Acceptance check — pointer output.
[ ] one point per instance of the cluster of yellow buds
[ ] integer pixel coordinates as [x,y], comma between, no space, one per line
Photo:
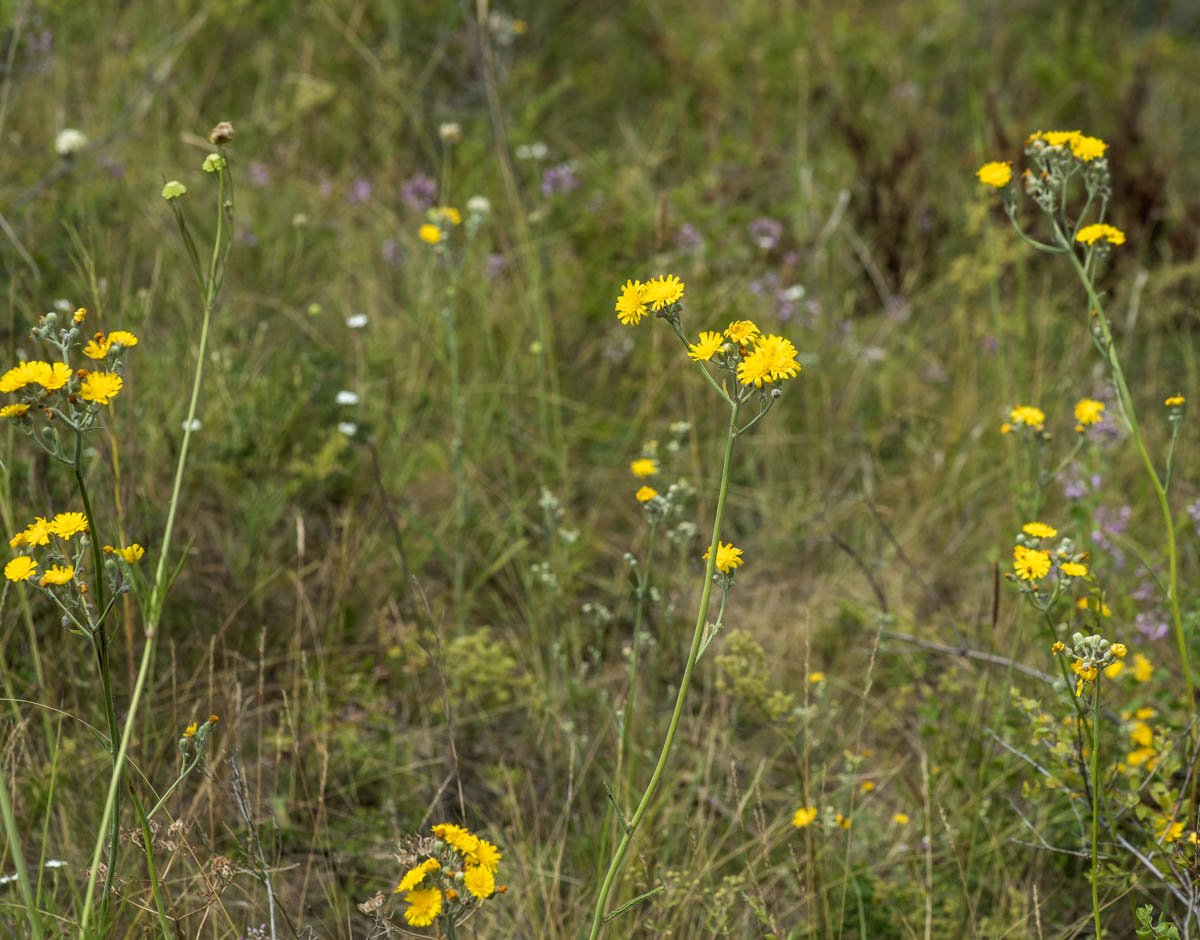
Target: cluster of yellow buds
[1091,654]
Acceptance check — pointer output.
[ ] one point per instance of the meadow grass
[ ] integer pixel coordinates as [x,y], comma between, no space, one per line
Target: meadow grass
[429,617]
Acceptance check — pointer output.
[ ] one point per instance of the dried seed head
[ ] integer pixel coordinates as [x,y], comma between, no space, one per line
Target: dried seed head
[221,134]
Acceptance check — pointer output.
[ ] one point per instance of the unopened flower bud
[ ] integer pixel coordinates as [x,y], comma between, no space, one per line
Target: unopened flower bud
[450,133]
[221,134]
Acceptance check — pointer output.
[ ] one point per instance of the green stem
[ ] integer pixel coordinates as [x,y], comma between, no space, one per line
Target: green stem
[147,841]
[1095,806]
[18,857]
[627,721]
[619,857]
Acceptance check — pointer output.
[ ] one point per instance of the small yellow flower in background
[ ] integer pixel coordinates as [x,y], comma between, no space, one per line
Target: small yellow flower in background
[1005,428]
[645,494]
[190,729]
[414,876]
[122,338]
[1088,410]
[21,568]
[1090,603]
[101,387]
[1142,734]
[1142,668]
[815,677]
[1174,401]
[424,905]
[37,532]
[631,305]
[1087,148]
[900,818]
[741,331]
[66,524]
[1090,234]
[1144,755]
[1029,563]
[842,821]
[644,467]
[1073,569]
[1039,530]
[867,786]
[804,816]
[1058,648]
[728,557]
[996,174]
[1028,415]
[707,347]
[1119,650]
[59,574]
[480,881]
[1167,831]
[1058,138]
[452,215]
[1112,670]
[430,233]
[13,411]
[80,314]
[662,291]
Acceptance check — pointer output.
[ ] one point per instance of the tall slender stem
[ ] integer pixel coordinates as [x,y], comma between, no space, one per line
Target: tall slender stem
[643,590]
[1095,806]
[701,618]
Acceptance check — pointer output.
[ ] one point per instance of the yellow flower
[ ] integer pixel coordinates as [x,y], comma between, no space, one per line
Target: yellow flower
[1173,402]
[53,376]
[21,568]
[97,347]
[728,557]
[190,729]
[13,411]
[452,215]
[1119,650]
[131,553]
[424,905]
[842,821]
[754,370]
[1059,138]
[1087,148]
[804,816]
[631,305]
[456,837]
[1085,672]
[1142,668]
[1058,648]
[59,574]
[867,786]
[900,818]
[1112,670]
[1090,234]
[480,881]
[741,331]
[645,494]
[1029,563]
[100,387]
[1073,569]
[66,524]
[20,375]
[1142,734]
[122,338]
[644,467]
[1088,410]
[1090,603]
[707,347]
[662,291]
[815,677]
[414,876]
[1167,831]
[486,855]
[80,314]
[1028,415]
[1039,530]
[1143,713]
[780,356]
[37,532]
[430,233]
[1144,755]
[996,174]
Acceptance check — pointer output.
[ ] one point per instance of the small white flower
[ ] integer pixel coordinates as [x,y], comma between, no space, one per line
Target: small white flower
[56,863]
[356,321]
[69,141]
[349,428]
[523,152]
[539,151]
[62,305]
[347,398]
[479,205]
[7,879]
[450,132]
[193,426]
[795,292]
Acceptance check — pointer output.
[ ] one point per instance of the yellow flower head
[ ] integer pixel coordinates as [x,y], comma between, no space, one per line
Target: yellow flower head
[1039,530]
[1029,563]
[25,373]
[80,314]
[97,347]
[14,411]
[662,291]
[486,855]
[414,876]
[190,730]
[430,233]
[66,524]
[704,350]
[815,677]
[1112,670]
[1090,603]
[1086,672]
[122,338]
[1142,668]
[645,494]
[804,816]
[1088,411]
[1090,234]
[1058,647]
[1059,138]
[131,553]
[867,786]
[449,213]
[842,821]
[773,359]
[100,387]
[59,574]
[728,557]
[37,532]
[742,332]
[21,568]
[995,174]
[1174,401]
[1141,734]
[900,818]
[644,467]
[1087,148]
[631,305]
[456,837]
[480,881]
[52,376]
[424,905]
[1167,831]
[1028,416]
[1073,569]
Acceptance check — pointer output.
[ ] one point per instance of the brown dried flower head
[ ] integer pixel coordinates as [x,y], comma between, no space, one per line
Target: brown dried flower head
[221,134]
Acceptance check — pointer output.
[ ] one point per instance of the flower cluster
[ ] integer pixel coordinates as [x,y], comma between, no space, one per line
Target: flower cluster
[458,873]
[440,221]
[638,299]
[1034,559]
[1091,654]
[742,350]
